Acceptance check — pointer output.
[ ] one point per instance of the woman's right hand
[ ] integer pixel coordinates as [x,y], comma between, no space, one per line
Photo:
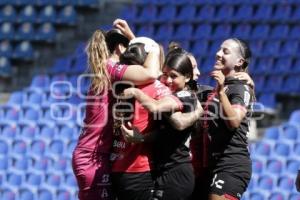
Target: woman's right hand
[129,93]
[124,28]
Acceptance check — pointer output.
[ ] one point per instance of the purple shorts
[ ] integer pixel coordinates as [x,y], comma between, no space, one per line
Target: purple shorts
[92,174]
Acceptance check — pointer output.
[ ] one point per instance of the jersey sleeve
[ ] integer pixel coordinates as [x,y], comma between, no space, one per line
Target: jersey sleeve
[163,91]
[116,70]
[188,100]
[239,96]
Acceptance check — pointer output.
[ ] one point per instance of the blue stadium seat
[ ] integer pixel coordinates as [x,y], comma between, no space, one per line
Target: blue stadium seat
[294,196]
[164,32]
[279,31]
[41,81]
[12,113]
[47,14]
[258,166]
[167,13]
[282,149]
[67,15]
[46,32]
[27,14]
[214,47]
[263,148]
[289,48]
[296,65]
[296,149]
[263,65]
[37,148]
[70,147]
[295,117]
[87,3]
[277,195]
[271,48]
[265,182]
[296,14]
[9,194]
[256,196]
[5,163]
[282,12]
[54,179]
[67,132]
[15,178]
[222,31]
[263,12]
[291,84]
[242,31]
[199,48]
[34,179]
[8,14]
[285,183]
[9,130]
[16,98]
[55,149]
[63,164]
[203,31]
[5,67]
[64,195]
[23,51]
[145,30]
[275,166]
[224,13]
[22,164]
[207,66]
[272,133]
[19,148]
[244,12]
[256,47]
[34,98]
[206,13]
[282,66]
[7,31]
[292,166]
[70,180]
[274,84]
[183,32]
[186,13]
[268,100]
[294,30]
[25,32]
[260,31]
[80,64]
[130,12]
[259,81]
[27,194]
[61,65]
[6,49]
[148,14]
[46,194]
[48,131]
[42,164]
[4,147]
[290,132]
[31,113]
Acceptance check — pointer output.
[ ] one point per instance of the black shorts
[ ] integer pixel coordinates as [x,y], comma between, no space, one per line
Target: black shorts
[176,183]
[225,183]
[132,186]
[202,182]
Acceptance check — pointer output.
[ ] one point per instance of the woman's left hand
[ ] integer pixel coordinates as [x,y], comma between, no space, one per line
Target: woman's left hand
[131,133]
[244,77]
[220,78]
[129,93]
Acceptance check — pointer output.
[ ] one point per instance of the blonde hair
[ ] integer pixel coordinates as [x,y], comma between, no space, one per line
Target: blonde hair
[97,53]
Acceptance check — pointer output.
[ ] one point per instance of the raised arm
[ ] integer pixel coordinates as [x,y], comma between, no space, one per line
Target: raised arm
[148,73]
[233,115]
[166,104]
[123,26]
